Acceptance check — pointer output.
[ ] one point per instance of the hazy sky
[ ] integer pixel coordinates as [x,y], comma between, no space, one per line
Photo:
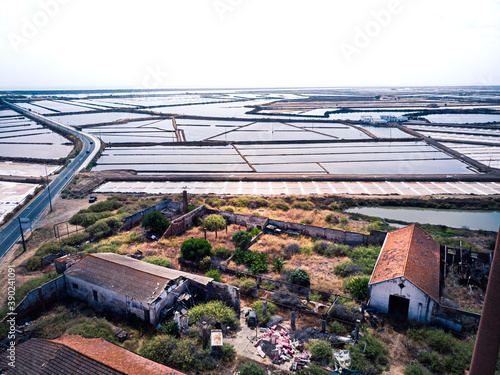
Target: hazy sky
[58,44]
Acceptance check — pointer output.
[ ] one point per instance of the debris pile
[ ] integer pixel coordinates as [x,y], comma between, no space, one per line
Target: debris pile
[276,343]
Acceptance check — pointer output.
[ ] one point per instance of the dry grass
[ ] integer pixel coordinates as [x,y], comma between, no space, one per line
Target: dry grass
[463,296]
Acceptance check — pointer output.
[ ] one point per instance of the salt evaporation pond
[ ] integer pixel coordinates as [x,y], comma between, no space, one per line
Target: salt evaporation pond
[462,118]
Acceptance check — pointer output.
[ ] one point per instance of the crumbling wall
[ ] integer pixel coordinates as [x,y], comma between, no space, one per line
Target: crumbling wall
[184,222]
[132,220]
[231,218]
[337,235]
[37,299]
[226,293]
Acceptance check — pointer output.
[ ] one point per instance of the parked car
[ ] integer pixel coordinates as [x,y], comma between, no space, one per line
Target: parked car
[92,199]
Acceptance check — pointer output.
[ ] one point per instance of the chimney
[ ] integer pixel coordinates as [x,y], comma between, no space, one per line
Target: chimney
[485,357]
[184,202]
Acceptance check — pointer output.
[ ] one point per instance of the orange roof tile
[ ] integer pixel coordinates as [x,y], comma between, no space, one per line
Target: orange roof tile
[114,356]
[413,254]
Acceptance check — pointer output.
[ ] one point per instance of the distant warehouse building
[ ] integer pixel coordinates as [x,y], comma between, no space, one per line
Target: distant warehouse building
[129,286]
[405,281]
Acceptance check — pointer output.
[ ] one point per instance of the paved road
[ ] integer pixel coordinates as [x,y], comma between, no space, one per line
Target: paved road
[11,233]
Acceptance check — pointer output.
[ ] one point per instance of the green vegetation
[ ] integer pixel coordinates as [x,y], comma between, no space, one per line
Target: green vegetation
[278,264]
[214,274]
[258,262]
[345,269]
[34,263]
[416,370]
[441,352]
[228,353]
[255,232]
[320,351]
[365,257]
[213,311]
[300,277]
[375,355]
[250,368]
[302,205]
[221,252]
[261,318]
[183,354]
[214,223]
[246,285]
[241,239]
[357,286]
[159,261]
[155,223]
[90,329]
[195,249]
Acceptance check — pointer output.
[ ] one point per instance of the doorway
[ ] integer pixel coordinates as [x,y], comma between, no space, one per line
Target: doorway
[398,307]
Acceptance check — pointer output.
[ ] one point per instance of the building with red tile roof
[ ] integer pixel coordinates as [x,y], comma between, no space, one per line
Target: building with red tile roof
[405,280]
[73,355]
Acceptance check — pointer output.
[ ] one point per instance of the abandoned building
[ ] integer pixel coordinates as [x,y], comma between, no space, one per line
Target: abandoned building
[73,354]
[130,286]
[405,280]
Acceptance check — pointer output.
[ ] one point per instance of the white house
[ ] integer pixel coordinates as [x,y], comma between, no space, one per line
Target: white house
[125,285]
[405,281]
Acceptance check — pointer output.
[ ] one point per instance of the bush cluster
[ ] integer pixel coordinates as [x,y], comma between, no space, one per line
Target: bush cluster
[213,311]
[159,261]
[247,285]
[300,277]
[195,249]
[258,307]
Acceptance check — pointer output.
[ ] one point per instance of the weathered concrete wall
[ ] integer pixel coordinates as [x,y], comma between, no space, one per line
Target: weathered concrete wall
[350,238]
[420,307]
[226,293]
[184,222]
[231,218]
[136,218]
[37,299]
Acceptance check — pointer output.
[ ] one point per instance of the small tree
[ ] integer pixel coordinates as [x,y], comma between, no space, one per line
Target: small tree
[300,277]
[214,223]
[195,249]
[358,287]
[250,368]
[278,264]
[241,239]
[155,223]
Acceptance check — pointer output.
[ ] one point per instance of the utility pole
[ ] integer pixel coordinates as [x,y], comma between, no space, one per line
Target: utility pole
[22,233]
[48,188]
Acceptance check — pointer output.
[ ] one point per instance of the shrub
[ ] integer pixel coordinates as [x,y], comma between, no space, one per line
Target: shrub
[214,223]
[259,263]
[241,239]
[357,286]
[48,248]
[172,329]
[179,354]
[344,221]
[34,263]
[281,205]
[306,221]
[255,231]
[114,223]
[221,252]
[75,239]
[228,353]
[159,261]
[90,330]
[312,370]
[300,277]
[261,318]
[432,361]
[247,285]
[293,248]
[241,201]
[214,201]
[416,370]
[320,351]
[98,228]
[155,223]
[376,352]
[278,264]
[195,249]
[345,269]
[331,218]
[214,274]
[134,237]
[213,311]
[251,368]
[302,205]
[228,209]
[107,205]
[337,328]
[365,257]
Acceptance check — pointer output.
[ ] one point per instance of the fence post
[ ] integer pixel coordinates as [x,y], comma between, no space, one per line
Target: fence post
[292,323]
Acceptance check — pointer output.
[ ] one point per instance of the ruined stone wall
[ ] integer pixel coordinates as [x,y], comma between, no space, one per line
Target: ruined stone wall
[226,293]
[184,222]
[132,220]
[37,299]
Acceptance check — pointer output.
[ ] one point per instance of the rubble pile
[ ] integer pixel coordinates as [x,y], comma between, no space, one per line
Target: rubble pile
[277,344]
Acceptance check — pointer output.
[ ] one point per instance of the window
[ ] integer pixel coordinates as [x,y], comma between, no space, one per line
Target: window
[75,285]
[95,296]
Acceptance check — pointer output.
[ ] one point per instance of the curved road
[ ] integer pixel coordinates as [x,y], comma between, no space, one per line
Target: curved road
[10,233]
